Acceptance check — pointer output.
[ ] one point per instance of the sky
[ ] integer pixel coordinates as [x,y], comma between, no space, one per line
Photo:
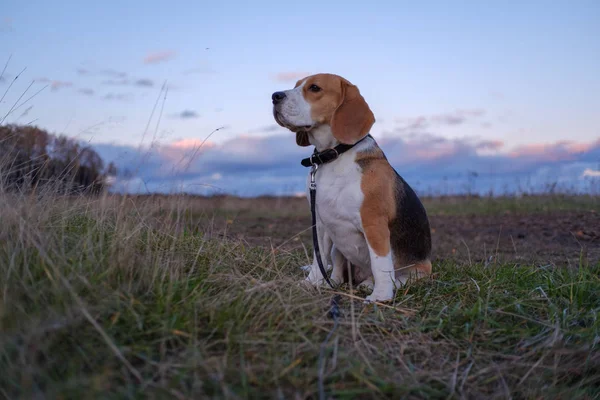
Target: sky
[467,95]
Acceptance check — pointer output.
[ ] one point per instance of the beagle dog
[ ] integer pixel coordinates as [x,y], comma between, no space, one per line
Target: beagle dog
[371,226]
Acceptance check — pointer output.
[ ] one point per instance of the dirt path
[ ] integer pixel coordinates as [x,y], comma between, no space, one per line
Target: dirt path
[547,238]
[557,237]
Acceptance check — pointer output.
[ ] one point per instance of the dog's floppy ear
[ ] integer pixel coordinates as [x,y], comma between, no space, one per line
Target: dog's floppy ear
[353,118]
[302,139]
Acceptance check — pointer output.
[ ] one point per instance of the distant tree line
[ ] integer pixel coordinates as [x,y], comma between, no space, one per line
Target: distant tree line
[31,158]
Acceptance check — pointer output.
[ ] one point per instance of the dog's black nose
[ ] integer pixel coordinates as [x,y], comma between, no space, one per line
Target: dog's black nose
[277,97]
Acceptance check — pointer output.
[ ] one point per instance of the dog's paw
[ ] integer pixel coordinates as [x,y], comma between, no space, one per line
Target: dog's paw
[380,297]
[314,281]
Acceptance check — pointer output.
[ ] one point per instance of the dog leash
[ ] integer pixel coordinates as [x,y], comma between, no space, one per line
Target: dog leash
[334,309]
[316,159]
[313,195]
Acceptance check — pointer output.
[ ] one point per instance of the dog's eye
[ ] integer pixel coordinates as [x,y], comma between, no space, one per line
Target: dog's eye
[314,88]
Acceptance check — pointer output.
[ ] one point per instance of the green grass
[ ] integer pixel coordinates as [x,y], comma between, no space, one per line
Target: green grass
[110,299]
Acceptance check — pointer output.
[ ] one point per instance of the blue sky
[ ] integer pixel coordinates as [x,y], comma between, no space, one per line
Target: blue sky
[510,90]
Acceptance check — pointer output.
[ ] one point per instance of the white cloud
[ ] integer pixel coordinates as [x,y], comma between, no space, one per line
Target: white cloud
[591,172]
[426,162]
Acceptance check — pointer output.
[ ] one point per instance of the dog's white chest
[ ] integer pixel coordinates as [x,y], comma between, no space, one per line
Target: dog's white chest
[338,202]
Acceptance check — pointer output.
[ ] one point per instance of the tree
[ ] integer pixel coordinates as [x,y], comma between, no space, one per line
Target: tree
[31,157]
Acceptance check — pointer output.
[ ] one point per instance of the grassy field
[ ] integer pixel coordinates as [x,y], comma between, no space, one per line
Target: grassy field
[182,297]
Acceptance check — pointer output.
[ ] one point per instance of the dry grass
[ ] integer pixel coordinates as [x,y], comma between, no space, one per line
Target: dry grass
[128,298]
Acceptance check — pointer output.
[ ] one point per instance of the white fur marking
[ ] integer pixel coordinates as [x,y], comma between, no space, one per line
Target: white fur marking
[338,261]
[383,274]
[294,109]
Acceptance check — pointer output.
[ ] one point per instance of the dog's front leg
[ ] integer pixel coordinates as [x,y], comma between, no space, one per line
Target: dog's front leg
[339,262]
[383,275]
[315,276]
[382,265]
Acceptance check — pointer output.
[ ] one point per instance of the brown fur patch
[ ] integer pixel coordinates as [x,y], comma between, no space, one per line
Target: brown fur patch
[392,215]
[353,119]
[379,206]
[324,102]
[338,104]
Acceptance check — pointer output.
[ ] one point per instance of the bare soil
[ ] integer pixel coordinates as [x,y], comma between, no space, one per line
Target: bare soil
[554,237]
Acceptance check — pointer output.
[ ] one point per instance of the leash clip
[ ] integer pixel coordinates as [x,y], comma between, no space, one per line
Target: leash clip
[313,172]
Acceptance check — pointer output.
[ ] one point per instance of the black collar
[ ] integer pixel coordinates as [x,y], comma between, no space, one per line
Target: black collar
[323,157]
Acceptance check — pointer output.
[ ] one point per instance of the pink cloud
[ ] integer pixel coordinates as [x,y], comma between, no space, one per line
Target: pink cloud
[559,151]
[191,143]
[433,153]
[159,56]
[55,84]
[181,153]
[426,160]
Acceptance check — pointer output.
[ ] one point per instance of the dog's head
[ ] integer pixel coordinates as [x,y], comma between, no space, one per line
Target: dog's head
[323,99]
